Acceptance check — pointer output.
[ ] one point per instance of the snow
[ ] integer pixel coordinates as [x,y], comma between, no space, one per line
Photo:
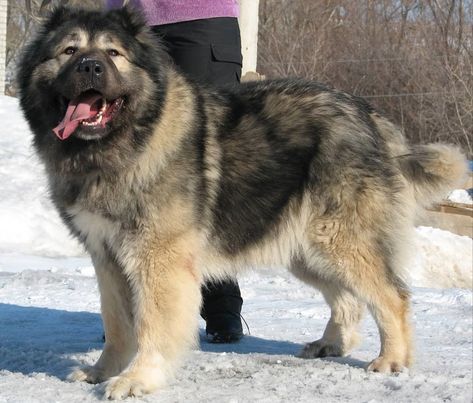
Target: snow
[441,260]
[33,225]
[50,322]
[460,196]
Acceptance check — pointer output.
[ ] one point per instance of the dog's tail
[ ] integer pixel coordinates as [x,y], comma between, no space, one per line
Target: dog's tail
[433,170]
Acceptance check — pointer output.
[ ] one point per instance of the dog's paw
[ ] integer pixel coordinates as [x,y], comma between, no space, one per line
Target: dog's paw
[88,374]
[127,384]
[120,387]
[320,349]
[385,365]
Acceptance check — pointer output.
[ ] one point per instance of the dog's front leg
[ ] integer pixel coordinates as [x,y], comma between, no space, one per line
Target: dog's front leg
[166,298]
[115,296]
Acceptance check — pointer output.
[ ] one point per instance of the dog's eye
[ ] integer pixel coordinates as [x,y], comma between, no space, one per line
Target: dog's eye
[112,52]
[70,50]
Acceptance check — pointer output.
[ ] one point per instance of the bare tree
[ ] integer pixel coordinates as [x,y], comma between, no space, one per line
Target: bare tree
[412,59]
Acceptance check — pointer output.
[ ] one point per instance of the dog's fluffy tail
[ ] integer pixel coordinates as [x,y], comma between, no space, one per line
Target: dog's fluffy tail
[433,170]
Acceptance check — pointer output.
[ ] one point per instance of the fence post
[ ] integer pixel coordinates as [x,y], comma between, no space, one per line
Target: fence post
[3,43]
[249,33]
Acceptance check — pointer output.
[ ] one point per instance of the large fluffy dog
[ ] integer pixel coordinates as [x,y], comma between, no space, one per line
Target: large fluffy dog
[166,183]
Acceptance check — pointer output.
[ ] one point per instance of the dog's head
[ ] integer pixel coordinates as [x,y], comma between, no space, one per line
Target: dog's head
[91,75]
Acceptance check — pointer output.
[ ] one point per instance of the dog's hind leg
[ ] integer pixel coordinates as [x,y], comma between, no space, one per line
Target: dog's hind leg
[390,309]
[115,299]
[363,269]
[340,334]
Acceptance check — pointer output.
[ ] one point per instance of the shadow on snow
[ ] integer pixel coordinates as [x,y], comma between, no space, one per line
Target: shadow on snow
[36,339]
[44,340]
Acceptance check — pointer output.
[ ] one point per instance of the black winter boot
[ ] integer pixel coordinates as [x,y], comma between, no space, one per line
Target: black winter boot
[221,311]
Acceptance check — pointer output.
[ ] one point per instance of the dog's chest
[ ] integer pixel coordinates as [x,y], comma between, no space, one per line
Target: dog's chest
[96,231]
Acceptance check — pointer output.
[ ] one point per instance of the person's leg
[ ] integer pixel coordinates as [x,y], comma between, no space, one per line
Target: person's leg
[209,51]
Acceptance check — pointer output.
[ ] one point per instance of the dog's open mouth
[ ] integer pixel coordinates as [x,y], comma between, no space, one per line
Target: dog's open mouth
[89,110]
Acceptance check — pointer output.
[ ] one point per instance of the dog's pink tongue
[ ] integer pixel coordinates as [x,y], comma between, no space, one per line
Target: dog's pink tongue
[77,110]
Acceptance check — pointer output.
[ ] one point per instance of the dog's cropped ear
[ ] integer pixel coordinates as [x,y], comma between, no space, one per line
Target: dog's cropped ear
[54,18]
[131,19]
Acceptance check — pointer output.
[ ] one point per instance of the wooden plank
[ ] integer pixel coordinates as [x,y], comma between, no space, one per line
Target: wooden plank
[456,223]
[454,208]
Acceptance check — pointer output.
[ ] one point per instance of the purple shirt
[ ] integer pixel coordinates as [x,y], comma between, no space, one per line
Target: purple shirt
[159,12]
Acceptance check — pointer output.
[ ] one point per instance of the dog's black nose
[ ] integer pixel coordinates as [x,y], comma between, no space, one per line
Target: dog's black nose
[91,67]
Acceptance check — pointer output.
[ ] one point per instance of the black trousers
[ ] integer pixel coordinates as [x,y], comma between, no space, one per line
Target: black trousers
[208,51]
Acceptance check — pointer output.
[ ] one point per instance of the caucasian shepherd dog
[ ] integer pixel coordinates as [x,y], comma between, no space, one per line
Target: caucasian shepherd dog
[167,183]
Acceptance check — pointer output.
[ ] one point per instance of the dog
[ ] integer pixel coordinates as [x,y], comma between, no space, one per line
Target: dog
[167,183]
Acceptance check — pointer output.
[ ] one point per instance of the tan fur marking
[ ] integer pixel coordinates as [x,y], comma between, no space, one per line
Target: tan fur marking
[107,41]
[78,39]
[170,132]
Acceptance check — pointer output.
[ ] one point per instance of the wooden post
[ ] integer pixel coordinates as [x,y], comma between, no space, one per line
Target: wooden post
[3,43]
[249,34]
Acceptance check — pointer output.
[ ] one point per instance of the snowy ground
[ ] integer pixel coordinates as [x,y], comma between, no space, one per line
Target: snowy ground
[50,322]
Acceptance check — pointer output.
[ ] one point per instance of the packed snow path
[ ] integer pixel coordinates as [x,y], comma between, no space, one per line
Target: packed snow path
[50,322]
